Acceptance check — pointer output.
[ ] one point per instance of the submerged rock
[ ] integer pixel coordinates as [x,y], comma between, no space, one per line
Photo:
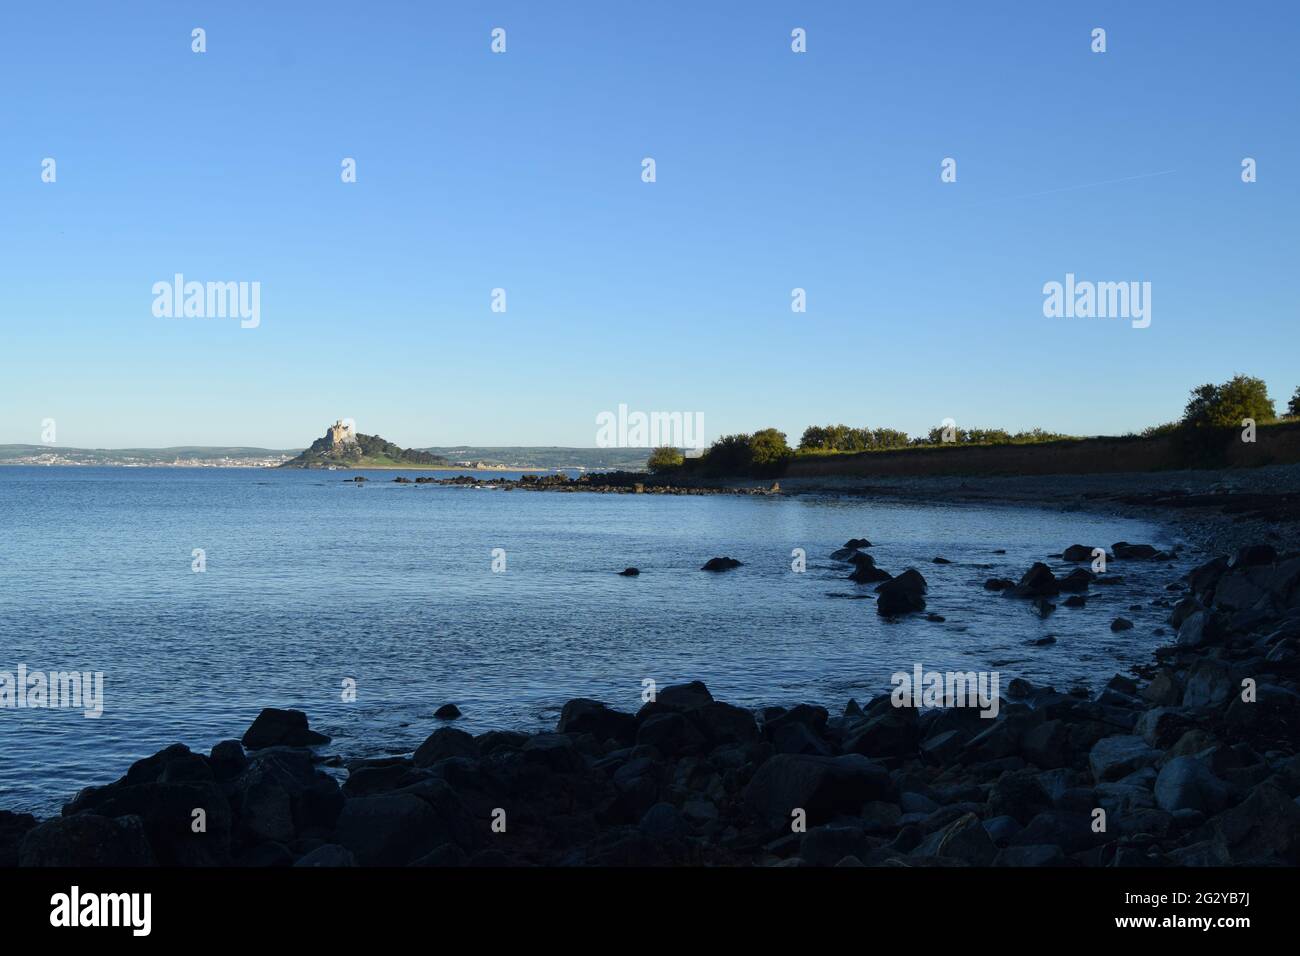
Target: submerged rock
[720,564]
[1133,552]
[869,574]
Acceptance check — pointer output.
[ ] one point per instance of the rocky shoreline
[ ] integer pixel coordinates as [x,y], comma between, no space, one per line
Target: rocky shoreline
[600,483]
[1219,509]
[1189,762]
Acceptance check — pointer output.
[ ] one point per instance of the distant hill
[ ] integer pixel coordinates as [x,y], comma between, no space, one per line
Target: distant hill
[343,447]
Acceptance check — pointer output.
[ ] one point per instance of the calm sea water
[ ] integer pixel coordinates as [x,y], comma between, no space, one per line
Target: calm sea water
[311,581]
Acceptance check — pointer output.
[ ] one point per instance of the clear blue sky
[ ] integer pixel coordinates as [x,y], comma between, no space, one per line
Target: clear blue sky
[523,171]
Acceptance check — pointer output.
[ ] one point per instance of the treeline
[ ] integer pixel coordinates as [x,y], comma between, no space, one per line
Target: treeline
[844,439]
[1211,408]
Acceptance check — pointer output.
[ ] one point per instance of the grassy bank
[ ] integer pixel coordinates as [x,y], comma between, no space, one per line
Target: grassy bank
[1187,448]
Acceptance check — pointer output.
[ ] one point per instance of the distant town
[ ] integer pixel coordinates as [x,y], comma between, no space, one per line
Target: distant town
[476,458]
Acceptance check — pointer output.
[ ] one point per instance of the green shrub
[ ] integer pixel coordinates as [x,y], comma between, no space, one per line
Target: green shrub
[664,459]
[1224,406]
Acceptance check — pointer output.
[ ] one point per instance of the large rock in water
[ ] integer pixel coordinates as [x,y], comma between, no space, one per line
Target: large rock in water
[288,728]
[720,564]
[1078,552]
[1038,581]
[869,574]
[684,696]
[903,594]
[823,787]
[1076,582]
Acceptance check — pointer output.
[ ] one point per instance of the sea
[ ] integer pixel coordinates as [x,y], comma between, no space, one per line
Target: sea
[203,595]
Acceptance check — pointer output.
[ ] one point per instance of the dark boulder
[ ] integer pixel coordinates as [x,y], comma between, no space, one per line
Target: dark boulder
[869,574]
[227,759]
[443,743]
[1252,556]
[629,572]
[1199,629]
[1133,552]
[827,845]
[86,839]
[720,564]
[670,733]
[13,827]
[1076,582]
[965,840]
[684,696]
[823,787]
[555,752]
[1187,783]
[447,712]
[168,812]
[389,829]
[274,727]
[1018,794]
[1038,581]
[585,716]
[1265,827]
[1077,553]
[903,594]
[722,723]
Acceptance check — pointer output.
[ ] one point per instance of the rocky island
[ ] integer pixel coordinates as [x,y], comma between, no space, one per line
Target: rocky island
[343,447]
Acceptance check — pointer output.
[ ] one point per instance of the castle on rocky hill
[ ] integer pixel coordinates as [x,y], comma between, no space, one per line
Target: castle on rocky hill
[341,433]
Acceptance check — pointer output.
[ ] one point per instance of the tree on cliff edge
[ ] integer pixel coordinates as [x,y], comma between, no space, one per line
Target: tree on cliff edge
[1224,406]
